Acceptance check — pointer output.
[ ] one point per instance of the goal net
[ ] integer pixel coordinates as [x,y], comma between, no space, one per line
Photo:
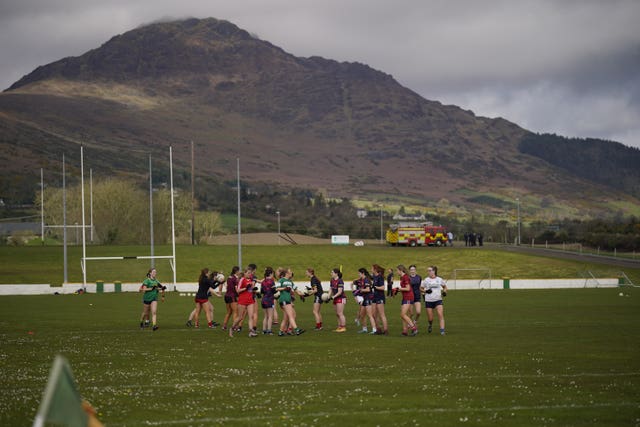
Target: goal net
[470,278]
[111,268]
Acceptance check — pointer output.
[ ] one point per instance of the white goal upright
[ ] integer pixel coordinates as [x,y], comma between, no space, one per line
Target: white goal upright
[171,258]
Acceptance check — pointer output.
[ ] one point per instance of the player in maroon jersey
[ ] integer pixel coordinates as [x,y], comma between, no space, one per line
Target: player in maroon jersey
[407,301]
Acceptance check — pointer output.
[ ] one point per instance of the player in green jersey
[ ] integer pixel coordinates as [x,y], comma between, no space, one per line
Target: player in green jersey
[151,288]
[286,286]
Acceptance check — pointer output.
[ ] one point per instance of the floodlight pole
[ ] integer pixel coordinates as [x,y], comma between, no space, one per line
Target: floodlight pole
[239,224]
[381,241]
[91,201]
[64,221]
[42,204]
[153,262]
[173,221]
[193,197]
[278,213]
[84,243]
[518,205]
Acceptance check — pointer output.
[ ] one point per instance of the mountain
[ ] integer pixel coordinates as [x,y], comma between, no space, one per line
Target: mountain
[343,128]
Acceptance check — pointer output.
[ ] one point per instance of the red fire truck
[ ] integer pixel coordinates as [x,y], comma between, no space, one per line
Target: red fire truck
[416,234]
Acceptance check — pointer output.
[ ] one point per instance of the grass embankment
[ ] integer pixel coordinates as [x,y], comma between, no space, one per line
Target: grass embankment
[45,265]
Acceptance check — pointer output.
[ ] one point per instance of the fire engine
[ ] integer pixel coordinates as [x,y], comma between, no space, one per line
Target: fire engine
[416,234]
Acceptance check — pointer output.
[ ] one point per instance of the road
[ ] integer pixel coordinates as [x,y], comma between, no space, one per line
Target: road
[555,253]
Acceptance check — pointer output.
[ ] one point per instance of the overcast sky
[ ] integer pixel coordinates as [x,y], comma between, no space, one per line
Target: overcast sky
[566,66]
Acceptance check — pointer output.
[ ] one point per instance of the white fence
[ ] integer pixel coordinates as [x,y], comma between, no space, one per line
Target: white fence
[70,288]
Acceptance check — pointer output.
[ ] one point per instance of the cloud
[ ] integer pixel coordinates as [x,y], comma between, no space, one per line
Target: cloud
[568,67]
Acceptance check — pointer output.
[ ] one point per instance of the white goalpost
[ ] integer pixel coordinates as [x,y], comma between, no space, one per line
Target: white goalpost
[479,281]
[171,258]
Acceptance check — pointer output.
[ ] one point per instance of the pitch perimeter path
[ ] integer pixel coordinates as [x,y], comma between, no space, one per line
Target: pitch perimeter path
[555,253]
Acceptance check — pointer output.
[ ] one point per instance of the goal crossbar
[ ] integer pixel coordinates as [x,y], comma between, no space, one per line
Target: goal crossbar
[102,258]
[487,275]
[85,258]
[83,261]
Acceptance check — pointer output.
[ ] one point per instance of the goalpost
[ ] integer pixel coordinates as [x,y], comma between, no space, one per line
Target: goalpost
[171,258]
[481,283]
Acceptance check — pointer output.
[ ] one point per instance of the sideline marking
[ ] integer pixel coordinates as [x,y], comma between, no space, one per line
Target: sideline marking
[290,417]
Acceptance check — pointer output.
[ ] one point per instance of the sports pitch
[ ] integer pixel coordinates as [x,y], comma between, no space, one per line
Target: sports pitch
[510,357]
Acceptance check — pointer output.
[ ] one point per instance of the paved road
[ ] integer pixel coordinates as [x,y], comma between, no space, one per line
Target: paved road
[555,253]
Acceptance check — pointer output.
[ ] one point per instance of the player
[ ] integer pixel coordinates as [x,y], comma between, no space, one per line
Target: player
[316,291]
[208,307]
[151,288]
[286,287]
[268,290]
[231,298]
[206,286]
[434,289]
[338,296]
[246,303]
[256,289]
[407,301]
[379,299]
[366,292]
[390,282]
[416,281]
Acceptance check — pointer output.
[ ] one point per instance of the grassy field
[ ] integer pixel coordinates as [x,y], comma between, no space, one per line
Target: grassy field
[44,264]
[517,358]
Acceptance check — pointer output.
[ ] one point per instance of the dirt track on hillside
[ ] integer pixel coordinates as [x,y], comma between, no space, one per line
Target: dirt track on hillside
[272,239]
[267,239]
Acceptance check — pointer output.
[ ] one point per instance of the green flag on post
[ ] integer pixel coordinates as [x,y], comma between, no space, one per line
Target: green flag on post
[61,404]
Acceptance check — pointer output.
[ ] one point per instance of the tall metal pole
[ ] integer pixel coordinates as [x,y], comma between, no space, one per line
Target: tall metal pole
[173,221]
[381,241]
[193,198]
[518,203]
[153,262]
[64,221]
[278,213]
[42,204]
[84,237]
[239,225]
[91,201]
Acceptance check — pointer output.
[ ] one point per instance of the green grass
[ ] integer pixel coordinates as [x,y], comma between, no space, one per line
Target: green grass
[517,358]
[230,224]
[44,264]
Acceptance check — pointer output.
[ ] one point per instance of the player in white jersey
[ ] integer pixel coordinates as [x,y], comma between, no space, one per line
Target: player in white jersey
[434,289]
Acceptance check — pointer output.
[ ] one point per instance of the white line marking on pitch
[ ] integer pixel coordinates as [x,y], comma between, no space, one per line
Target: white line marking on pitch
[256,417]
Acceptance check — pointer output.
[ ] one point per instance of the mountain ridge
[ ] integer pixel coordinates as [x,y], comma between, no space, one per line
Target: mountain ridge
[338,126]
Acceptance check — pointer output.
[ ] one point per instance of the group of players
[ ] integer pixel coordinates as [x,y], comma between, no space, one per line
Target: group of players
[242,290]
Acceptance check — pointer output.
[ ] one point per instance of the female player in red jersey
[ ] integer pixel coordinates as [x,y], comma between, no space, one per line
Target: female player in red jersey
[231,298]
[246,303]
[407,301]
[336,293]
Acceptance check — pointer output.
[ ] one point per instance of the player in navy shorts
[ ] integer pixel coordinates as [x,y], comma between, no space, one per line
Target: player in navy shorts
[379,298]
[231,297]
[316,291]
[339,298]
[407,301]
[366,291]
[268,290]
[416,281]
